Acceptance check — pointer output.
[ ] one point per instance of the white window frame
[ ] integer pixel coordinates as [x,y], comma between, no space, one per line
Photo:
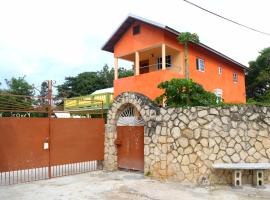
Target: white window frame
[201,64]
[219,93]
[168,64]
[219,70]
[235,77]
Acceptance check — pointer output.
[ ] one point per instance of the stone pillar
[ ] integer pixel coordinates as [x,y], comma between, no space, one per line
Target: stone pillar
[115,68]
[163,57]
[137,63]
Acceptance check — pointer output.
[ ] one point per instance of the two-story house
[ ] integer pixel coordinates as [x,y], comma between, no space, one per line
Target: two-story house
[158,56]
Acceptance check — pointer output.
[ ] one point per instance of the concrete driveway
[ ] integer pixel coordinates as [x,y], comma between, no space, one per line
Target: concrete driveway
[122,185]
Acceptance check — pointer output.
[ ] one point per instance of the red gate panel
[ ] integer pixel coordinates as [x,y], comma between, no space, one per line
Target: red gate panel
[130,149]
[76,146]
[76,140]
[21,143]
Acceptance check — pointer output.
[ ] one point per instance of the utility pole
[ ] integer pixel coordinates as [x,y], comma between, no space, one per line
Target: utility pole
[49,98]
[49,117]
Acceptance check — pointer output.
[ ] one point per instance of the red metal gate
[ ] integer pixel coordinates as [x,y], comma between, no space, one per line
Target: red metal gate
[40,148]
[130,147]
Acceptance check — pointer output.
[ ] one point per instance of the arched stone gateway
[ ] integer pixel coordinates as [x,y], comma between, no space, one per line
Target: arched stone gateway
[128,109]
[184,144]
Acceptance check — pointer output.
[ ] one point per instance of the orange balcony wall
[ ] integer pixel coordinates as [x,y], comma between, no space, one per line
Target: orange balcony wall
[145,83]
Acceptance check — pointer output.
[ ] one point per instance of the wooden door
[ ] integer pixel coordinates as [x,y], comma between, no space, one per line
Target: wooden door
[130,147]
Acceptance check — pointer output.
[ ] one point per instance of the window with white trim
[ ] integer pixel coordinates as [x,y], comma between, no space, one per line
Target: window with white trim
[200,64]
[167,59]
[219,93]
[235,77]
[219,70]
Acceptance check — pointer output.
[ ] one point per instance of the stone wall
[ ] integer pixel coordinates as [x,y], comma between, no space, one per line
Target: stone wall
[187,142]
[183,143]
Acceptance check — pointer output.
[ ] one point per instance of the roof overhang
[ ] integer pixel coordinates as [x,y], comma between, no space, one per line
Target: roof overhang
[116,36]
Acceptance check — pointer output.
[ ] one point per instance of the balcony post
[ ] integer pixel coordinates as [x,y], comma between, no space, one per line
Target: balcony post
[163,47]
[137,63]
[115,68]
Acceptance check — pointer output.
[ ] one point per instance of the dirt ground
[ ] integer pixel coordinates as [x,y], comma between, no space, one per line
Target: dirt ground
[122,185]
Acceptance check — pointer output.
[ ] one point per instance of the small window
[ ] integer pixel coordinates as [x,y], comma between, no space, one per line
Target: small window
[235,77]
[159,63]
[219,70]
[136,30]
[200,64]
[168,62]
[219,93]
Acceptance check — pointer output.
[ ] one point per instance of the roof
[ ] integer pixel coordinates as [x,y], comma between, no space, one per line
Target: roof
[109,45]
[102,91]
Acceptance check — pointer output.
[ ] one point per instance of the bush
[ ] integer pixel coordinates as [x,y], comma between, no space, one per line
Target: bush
[185,92]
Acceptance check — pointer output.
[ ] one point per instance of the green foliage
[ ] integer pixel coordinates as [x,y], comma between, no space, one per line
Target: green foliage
[185,92]
[44,89]
[258,78]
[148,173]
[87,82]
[19,86]
[184,38]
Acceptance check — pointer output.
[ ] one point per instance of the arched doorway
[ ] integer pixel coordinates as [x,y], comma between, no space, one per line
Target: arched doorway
[146,112]
[130,139]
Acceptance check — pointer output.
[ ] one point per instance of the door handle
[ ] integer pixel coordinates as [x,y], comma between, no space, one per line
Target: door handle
[118,142]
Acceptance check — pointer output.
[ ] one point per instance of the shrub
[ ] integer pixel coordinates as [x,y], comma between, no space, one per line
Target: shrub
[185,92]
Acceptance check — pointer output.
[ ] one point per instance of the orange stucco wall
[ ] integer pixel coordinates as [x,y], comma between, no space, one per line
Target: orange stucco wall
[129,43]
[210,79]
[144,83]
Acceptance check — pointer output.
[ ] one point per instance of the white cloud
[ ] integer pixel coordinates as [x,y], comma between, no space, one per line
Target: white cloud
[57,38]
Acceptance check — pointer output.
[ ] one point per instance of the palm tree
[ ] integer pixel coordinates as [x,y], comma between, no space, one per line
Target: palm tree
[184,38]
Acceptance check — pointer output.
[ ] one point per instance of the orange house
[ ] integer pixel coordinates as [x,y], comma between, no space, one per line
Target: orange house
[158,56]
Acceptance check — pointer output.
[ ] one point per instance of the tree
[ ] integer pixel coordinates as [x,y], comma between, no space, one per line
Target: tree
[258,78]
[19,86]
[87,82]
[185,92]
[44,89]
[185,38]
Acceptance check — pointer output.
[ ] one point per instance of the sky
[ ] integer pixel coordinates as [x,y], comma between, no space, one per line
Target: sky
[53,39]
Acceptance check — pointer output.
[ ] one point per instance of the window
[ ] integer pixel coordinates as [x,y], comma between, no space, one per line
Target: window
[218,92]
[159,63]
[200,64]
[219,70]
[168,62]
[136,30]
[235,77]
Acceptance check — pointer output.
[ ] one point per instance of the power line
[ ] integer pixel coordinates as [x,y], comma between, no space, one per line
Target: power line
[225,18]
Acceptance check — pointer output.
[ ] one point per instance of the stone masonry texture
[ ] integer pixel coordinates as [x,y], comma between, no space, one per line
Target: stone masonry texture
[182,144]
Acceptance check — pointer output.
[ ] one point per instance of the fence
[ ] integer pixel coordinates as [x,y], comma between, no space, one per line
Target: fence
[35,144]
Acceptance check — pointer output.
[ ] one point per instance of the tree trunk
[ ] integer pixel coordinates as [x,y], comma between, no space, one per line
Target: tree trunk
[186,61]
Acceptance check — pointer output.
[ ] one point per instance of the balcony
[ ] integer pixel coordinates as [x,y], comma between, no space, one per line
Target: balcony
[144,83]
[151,67]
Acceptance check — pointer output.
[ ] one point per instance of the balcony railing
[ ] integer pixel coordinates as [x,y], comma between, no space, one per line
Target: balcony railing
[158,66]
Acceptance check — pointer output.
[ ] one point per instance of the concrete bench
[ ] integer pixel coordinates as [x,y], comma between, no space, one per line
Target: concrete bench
[237,171]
